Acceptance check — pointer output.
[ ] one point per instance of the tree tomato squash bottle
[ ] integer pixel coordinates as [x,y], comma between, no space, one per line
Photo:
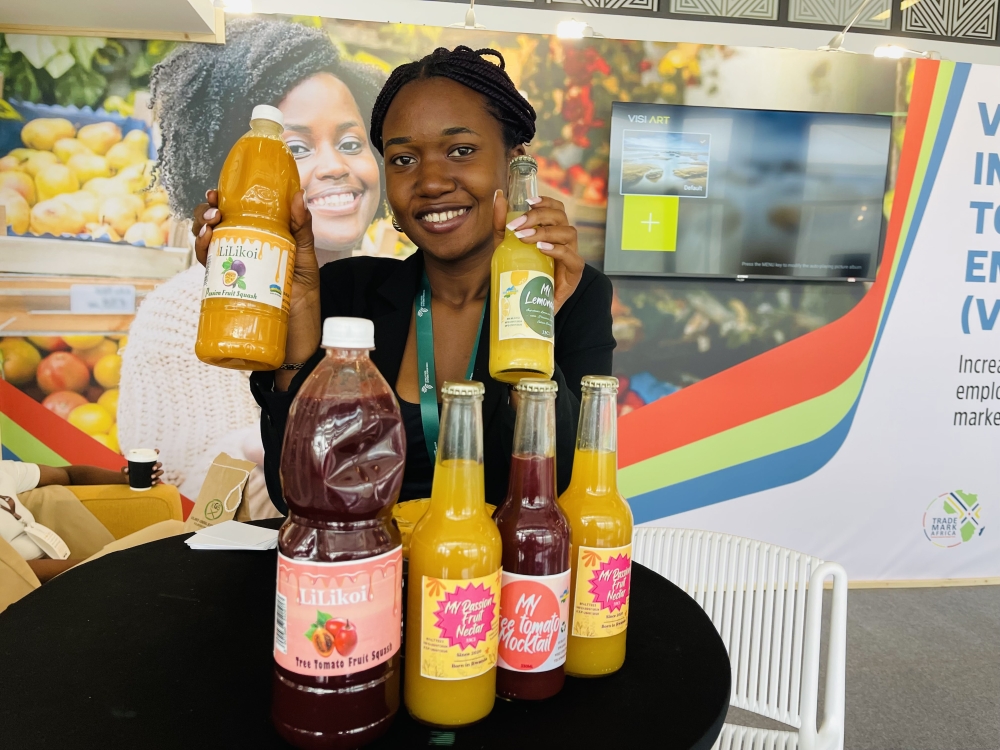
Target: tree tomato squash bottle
[522,317]
[600,524]
[453,584]
[534,598]
[248,271]
[338,608]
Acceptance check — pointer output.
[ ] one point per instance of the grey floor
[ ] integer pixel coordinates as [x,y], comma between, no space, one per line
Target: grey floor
[923,670]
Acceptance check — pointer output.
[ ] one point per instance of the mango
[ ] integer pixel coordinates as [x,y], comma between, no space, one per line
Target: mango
[20,182]
[119,212]
[56,217]
[54,180]
[88,166]
[38,161]
[64,148]
[18,210]
[150,234]
[100,136]
[43,132]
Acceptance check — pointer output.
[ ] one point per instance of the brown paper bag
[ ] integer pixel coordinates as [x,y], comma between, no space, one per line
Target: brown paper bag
[221,494]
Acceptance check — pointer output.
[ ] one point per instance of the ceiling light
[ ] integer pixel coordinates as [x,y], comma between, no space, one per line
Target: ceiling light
[573,29]
[470,19]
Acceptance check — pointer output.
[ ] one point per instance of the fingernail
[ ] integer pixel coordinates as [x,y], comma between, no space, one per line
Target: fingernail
[211,214]
[533,201]
[498,192]
[544,245]
[207,193]
[201,232]
[518,222]
[524,233]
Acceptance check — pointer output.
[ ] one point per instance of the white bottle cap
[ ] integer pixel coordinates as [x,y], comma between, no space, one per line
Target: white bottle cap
[267,112]
[348,333]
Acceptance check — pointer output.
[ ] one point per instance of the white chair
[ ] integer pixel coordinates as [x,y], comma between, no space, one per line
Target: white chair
[767,604]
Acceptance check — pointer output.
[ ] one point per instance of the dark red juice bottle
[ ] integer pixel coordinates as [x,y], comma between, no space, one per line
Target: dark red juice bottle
[534,598]
[338,606]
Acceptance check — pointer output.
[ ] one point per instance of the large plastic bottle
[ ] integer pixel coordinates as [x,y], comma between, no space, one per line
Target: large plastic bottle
[534,600]
[339,594]
[453,585]
[522,317]
[600,524]
[248,272]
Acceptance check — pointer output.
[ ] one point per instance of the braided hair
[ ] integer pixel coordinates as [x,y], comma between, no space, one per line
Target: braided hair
[467,67]
[204,95]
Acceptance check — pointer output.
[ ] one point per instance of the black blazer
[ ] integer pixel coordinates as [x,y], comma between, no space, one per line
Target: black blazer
[382,290]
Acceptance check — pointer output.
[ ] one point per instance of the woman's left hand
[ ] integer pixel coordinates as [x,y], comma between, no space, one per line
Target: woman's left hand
[546,226]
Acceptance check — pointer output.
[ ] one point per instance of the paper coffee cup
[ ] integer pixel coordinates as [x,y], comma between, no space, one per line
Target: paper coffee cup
[140,468]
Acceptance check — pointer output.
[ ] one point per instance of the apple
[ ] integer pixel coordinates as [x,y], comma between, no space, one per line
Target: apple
[346,639]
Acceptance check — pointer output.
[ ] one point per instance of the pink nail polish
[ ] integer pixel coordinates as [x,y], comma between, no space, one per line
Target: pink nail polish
[533,201]
[518,222]
[525,233]
[201,232]
[544,245]
[211,214]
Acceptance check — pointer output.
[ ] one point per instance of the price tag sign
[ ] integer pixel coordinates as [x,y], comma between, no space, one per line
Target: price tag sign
[102,299]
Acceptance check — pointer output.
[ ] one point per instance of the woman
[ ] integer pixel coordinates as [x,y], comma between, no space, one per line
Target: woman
[204,95]
[447,127]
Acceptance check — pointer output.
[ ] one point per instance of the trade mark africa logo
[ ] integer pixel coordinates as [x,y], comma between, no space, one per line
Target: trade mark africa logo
[953,518]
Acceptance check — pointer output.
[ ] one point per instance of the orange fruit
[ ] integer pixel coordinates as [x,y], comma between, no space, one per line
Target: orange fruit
[91,418]
[63,402]
[108,370]
[109,400]
[91,356]
[108,441]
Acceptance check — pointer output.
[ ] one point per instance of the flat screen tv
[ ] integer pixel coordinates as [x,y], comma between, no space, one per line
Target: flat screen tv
[742,193]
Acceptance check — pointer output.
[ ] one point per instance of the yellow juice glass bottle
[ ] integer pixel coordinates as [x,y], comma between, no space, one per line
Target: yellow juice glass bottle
[522,315]
[453,605]
[248,271]
[600,529]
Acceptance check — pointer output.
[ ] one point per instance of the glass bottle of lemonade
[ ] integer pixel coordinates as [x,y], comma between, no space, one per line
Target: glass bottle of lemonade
[522,318]
[453,601]
[248,272]
[338,608]
[600,523]
[534,598]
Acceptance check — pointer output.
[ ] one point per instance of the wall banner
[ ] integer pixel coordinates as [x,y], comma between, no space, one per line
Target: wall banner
[871,441]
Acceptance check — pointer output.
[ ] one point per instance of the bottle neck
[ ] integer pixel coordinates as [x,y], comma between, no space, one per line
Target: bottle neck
[595,464]
[532,472]
[458,474]
[266,127]
[522,184]
[333,352]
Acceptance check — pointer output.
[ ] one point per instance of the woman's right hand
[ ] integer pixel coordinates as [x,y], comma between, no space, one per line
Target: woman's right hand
[304,325]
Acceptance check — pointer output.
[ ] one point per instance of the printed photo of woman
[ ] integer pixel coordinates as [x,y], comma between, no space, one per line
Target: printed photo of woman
[202,97]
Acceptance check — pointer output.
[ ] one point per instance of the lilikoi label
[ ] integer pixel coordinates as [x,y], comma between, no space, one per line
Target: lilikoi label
[248,264]
[533,622]
[460,626]
[603,580]
[338,618]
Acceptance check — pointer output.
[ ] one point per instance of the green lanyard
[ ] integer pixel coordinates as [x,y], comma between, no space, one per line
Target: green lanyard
[425,361]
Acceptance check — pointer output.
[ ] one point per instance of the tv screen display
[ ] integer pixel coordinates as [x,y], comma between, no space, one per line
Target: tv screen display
[708,191]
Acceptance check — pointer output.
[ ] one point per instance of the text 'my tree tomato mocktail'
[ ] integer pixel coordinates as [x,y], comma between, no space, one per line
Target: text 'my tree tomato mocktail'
[534,599]
[600,524]
[453,583]
[338,608]
[248,270]
[522,317]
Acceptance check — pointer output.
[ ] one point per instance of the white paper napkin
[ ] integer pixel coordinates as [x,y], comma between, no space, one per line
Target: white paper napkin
[233,535]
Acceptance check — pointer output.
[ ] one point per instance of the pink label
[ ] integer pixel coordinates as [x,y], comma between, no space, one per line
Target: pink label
[338,618]
[610,583]
[534,611]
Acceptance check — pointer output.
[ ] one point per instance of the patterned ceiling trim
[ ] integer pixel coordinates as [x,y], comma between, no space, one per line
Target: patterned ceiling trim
[839,12]
[759,10]
[961,19]
[651,5]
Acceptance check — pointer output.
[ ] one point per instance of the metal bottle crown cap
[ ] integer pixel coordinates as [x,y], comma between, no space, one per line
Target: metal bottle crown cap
[599,383]
[534,385]
[466,388]
[524,160]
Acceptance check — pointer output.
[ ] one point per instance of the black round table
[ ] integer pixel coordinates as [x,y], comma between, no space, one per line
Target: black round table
[162,646]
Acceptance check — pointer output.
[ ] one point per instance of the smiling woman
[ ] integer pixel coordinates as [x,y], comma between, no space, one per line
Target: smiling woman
[448,126]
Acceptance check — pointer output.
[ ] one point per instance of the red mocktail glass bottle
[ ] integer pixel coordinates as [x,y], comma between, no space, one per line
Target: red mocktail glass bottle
[339,595]
[534,598]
